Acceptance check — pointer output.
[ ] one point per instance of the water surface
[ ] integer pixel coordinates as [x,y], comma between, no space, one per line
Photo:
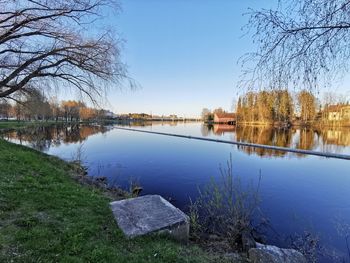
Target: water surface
[299,192]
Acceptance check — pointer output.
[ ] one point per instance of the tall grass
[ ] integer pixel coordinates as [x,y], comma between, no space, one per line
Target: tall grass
[228,209]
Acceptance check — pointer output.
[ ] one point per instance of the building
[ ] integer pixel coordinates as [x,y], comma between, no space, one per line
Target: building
[338,112]
[109,114]
[224,117]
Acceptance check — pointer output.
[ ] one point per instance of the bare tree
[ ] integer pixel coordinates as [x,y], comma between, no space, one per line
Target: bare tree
[205,114]
[307,106]
[302,43]
[46,42]
[5,108]
[36,106]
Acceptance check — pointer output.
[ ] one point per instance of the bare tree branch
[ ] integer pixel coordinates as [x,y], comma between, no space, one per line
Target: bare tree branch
[301,44]
[43,41]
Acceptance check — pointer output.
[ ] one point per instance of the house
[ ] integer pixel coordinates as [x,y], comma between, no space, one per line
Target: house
[338,112]
[224,117]
[109,114]
[346,112]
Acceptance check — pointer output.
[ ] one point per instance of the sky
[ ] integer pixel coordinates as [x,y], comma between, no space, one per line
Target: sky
[182,53]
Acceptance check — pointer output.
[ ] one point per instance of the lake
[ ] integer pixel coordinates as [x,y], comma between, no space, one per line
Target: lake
[300,194]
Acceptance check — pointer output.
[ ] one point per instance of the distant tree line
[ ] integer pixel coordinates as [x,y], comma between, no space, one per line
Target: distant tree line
[265,106]
[35,106]
[276,105]
[284,106]
[145,116]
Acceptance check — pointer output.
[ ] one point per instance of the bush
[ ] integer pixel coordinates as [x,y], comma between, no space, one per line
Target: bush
[227,209]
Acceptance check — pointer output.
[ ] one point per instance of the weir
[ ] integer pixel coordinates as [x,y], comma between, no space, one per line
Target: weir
[254,145]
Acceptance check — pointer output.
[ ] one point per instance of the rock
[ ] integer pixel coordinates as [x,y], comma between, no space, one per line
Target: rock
[150,214]
[273,254]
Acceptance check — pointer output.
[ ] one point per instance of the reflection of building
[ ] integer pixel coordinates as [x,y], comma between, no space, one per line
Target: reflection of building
[225,118]
[338,112]
[337,137]
[222,128]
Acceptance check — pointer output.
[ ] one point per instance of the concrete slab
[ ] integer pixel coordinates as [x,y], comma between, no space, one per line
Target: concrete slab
[150,214]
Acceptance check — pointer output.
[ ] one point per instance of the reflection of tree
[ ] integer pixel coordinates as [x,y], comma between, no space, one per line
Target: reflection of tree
[266,136]
[142,123]
[42,138]
[339,136]
[306,139]
[283,137]
[206,129]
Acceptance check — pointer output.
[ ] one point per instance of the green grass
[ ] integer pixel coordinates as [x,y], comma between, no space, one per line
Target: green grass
[46,216]
[15,125]
[12,124]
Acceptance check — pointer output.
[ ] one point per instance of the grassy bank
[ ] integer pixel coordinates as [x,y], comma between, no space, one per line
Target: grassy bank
[14,124]
[10,125]
[46,216]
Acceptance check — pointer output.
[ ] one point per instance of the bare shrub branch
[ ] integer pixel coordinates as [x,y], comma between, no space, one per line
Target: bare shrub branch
[45,43]
[301,44]
[227,208]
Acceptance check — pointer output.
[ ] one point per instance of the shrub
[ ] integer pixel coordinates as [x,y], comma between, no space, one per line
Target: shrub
[226,209]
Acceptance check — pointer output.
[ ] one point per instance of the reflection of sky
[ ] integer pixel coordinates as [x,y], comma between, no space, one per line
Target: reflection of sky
[297,193]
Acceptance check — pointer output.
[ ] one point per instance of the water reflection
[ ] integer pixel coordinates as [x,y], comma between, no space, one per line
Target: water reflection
[43,138]
[153,123]
[334,140]
[328,139]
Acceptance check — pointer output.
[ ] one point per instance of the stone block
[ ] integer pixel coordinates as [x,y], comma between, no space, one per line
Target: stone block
[150,214]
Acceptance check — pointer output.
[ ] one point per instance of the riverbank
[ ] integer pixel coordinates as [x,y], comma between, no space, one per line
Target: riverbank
[5,125]
[47,215]
[296,124]
[14,125]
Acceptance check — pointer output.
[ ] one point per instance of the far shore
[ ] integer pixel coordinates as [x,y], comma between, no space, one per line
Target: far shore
[278,124]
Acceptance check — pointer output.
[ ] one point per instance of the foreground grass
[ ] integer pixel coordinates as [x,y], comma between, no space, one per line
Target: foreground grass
[46,216]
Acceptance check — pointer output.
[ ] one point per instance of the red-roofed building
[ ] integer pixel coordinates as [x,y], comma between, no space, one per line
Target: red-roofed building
[225,118]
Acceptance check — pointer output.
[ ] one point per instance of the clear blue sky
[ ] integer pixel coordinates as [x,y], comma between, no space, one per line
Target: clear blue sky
[183,53]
